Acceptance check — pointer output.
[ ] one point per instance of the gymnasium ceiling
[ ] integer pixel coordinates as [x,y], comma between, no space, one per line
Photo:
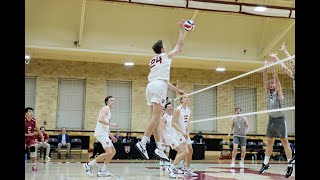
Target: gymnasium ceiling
[116,32]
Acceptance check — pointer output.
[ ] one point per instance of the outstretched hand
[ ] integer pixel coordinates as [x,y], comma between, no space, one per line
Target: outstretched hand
[181,24]
[180,92]
[283,47]
[273,55]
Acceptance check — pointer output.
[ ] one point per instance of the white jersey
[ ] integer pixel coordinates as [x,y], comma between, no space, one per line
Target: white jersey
[101,128]
[184,118]
[160,67]
[168,130]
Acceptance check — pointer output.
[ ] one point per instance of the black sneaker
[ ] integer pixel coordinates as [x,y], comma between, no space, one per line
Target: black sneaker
[289,171]
[293,160]
[264,168]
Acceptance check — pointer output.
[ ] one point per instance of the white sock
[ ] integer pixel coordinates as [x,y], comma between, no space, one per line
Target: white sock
[289,164]
[233,160]
[34,164]
[93,162]
[104,167]
[144,140]
[242,160]
[159,145]
[266,160]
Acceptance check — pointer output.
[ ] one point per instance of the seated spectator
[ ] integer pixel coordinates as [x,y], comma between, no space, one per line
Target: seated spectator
[97,148]
[198,138]
[128,138]
[118,136]
[64,141]
[44,144]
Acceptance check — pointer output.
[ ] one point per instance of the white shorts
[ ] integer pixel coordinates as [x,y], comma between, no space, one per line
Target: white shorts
[156,92]
[104,140]
[174,141]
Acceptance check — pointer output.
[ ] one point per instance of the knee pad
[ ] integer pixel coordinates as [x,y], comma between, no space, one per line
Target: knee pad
[33,152]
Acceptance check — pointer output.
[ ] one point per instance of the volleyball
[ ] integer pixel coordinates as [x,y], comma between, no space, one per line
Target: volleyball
[188,25]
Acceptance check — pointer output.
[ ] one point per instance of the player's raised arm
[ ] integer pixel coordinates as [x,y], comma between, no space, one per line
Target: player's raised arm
[179,44]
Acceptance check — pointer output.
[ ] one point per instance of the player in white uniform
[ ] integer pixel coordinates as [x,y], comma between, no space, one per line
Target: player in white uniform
[170,138]
[167,111]
[156,92]
[180,121]
[102,134]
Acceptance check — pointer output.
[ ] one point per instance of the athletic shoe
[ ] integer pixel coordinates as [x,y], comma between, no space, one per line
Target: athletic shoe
[161,155]
[178,171]
[289,171]
[103,173]
[264,168]
[232,165]
[241,164]
[142,149]
[34,169]
[87,168]
[170,172]
[293,160]
[189,173]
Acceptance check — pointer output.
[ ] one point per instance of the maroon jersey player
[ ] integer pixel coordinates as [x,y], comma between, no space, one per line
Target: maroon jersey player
[29,126]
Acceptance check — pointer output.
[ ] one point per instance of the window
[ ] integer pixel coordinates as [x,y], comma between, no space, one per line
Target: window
[30,93]
[71,104]
[246,100]
[121,112]
[205,106]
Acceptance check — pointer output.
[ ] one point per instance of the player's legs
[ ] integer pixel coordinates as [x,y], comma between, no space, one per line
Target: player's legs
[243,155]
[269,149]
[107,145]
[188,158]
[156,94]
[281,130]
[167,152]
[152,125]
[243,144]
[33,156]
[110,152]
[182,151]
[271,135]
[234,151]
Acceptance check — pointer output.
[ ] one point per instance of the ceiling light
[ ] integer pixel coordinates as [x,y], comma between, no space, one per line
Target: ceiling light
[260,9]
[128,63]
[220,69]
